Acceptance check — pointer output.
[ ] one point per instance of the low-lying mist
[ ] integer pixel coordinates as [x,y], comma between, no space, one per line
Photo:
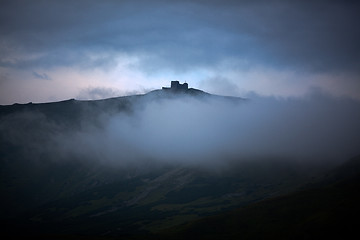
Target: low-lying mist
[190,130]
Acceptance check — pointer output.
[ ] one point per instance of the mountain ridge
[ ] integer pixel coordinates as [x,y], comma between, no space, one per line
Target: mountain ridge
[157,93]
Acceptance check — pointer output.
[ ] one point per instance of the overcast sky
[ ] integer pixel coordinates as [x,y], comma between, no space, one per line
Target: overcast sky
[55,50]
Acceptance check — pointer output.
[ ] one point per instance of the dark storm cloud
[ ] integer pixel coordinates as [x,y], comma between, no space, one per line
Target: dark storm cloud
[182,35]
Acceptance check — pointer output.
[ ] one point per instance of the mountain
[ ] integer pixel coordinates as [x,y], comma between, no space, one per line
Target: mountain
[72,169]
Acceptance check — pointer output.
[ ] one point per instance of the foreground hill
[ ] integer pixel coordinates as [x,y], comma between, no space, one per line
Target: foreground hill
[70,199]
[179,203]
[329,210]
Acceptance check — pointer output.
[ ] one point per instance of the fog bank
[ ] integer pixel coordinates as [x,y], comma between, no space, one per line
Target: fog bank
[196,131]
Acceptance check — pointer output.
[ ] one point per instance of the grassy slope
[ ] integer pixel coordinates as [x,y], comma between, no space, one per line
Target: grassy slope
[328,211]
[152,202]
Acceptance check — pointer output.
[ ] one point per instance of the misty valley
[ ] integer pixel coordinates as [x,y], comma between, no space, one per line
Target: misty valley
[181,164]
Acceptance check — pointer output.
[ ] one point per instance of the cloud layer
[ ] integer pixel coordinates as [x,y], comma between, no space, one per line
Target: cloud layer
[191,131]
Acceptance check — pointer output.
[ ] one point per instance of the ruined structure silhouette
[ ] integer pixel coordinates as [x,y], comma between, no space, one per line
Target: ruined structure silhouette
[176,86]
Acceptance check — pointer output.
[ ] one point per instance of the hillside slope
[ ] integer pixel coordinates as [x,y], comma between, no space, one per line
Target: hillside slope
[327,211]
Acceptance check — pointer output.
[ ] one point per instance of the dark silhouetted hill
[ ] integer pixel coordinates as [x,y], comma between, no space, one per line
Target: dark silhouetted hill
[325,212]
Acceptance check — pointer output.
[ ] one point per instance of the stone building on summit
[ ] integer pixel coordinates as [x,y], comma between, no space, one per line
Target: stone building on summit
[176,86]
